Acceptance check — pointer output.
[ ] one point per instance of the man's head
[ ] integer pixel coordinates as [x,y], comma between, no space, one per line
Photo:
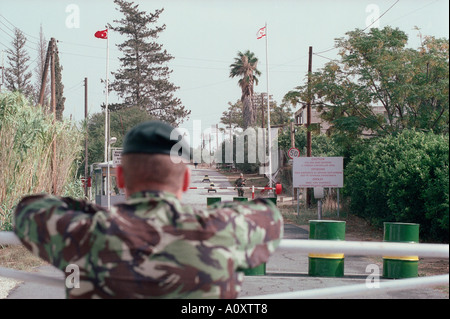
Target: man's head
[151,160]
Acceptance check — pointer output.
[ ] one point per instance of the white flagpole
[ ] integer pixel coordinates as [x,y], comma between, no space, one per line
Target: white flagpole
[107,146]
[268,110]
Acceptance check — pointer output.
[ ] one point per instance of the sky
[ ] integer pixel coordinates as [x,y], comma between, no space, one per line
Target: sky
[204,37]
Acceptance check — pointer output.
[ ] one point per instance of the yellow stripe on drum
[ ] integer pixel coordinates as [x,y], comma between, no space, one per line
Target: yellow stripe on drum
[406,258]
[326,256]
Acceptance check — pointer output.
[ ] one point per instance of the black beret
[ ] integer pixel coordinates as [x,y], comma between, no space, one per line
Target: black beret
[155,137]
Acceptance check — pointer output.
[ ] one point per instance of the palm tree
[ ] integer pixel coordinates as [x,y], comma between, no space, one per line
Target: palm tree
[244,66]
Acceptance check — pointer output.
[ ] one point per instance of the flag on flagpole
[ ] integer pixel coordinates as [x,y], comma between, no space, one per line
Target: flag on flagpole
[261,33]
[101,34]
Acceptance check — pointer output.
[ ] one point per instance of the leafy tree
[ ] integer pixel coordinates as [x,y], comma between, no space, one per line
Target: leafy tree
[143,79]
[233,116]
[17,75]
[245,67]
[376,69]
[321,144]
[279,115]
[120,122]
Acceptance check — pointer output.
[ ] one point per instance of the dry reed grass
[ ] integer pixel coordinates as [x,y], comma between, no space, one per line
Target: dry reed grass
[26,153]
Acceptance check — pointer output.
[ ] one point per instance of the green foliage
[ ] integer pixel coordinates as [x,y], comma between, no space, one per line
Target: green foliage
[245,68]
[403,178]
[321,144]
[279,115]
[380,86]
[121,121]
[26,152]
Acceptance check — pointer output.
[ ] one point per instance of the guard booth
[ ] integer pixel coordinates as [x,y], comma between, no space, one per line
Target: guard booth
[99,172]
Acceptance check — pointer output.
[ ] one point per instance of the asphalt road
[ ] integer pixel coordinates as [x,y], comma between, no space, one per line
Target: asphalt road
[284,271]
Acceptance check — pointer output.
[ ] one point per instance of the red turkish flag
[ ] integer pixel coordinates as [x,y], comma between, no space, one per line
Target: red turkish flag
[101,34]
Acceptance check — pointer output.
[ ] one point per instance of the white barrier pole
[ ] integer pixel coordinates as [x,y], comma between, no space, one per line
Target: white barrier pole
[9,238]
[349,248]
[361,290]
[306,246]
[364,248]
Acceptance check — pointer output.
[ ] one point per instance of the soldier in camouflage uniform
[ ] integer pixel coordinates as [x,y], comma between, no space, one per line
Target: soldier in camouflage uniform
[151,246]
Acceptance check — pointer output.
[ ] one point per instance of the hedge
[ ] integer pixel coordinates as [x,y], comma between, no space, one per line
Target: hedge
[403,178]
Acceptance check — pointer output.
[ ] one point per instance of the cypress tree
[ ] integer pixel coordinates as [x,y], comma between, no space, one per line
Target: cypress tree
[143,79]
[17,76]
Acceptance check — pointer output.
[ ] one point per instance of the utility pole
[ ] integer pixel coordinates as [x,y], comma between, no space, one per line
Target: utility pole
[45,74]
[292,135]
[53,103]
[262,109]
[3,73]
[231,129]
[308,119]
[210,149]
[86,178]
[217,139]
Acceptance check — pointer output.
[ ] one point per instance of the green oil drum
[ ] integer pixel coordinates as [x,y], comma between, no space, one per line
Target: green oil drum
[213,200]
[273,200]
[256,271]
[240,199]
[396,267]
[326,265]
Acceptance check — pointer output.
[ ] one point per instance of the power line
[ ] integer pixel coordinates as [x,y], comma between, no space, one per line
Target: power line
[12,37]
[333,48]
[19,28]
[324,57]
[381,15]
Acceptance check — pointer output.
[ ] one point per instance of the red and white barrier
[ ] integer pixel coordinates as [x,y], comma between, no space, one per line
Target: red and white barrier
[278,188]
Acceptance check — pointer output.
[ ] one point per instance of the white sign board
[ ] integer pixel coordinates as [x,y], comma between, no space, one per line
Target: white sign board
[117,156]
[310,172]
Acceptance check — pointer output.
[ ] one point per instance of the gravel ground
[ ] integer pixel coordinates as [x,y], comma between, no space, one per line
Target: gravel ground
[6,285]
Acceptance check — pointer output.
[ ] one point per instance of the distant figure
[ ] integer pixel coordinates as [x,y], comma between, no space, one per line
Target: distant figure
[239,183]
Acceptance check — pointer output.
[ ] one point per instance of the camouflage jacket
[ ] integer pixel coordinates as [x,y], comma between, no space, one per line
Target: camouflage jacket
[151,246]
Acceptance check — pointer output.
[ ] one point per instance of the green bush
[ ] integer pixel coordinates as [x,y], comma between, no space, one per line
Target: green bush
[403,178]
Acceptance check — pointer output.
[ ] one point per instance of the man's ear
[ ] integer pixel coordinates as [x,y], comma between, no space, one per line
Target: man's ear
[186,179]
[120,178]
